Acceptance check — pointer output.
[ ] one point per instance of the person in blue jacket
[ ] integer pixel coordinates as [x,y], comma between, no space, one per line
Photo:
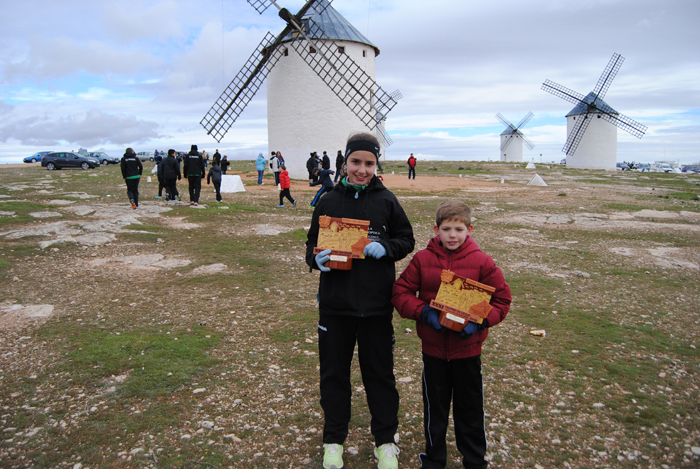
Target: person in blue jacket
[326,181]
[260,164]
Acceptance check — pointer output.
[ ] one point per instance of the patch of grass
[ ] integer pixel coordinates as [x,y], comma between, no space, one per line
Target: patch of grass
[626,207]
[4,265]
[148,356]
[681,196]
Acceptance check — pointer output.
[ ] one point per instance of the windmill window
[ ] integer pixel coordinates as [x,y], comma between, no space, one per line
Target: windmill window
[341,49]
[286,52]
[312,50]
[364,53]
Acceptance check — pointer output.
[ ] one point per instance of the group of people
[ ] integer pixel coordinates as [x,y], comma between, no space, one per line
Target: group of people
[356,306]
[168,173]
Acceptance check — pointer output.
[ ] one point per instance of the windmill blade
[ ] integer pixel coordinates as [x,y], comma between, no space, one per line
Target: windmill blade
[625,123]
[260,5]
[360,93]
[242,88]
[321,5]
[383,135]
[506,142]
[576,134]
[563,92]
[318,5]
[505,121]
[528,143]
[608,75]
[525,120]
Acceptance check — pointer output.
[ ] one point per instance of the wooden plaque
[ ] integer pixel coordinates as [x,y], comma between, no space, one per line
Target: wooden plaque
[461,299]
[345,237]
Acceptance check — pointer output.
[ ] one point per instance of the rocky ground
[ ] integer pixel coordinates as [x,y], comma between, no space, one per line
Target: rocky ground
[175,336]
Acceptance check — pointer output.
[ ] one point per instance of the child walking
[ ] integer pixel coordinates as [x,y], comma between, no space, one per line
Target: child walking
[215,177]
[285,185]
[355,305]
[451,360]
[326,181]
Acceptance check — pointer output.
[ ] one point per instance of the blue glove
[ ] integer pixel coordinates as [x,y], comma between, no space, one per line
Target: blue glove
[470,329]
[375,249]
[321,258]
[431,317]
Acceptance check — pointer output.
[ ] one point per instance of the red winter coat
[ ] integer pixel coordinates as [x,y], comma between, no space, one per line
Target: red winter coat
[285,183]
[411,162]
[423,275]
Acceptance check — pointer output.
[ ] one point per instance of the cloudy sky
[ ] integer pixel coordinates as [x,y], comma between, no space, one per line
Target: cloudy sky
[110,74]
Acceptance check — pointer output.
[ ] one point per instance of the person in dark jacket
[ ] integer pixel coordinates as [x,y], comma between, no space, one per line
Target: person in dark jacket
[326,181]
[325,161]
[131,172]
[355,305]
[171,174]
[215,177]
[451,360]
[159,173]
[339,162]
[216,158]
[194,170]
[224,165]
[311,165]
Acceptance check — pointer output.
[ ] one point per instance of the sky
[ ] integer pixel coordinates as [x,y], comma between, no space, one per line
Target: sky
[104,75]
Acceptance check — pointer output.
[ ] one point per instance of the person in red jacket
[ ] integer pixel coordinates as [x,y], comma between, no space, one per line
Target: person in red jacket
[411,166]
[451,360]
[285,185]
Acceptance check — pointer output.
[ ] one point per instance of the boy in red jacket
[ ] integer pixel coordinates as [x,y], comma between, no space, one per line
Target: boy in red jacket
[451,360]
[285,185]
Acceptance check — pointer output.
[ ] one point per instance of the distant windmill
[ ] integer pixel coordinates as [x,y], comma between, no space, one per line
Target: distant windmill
[317,45]
[512,139]
[591,143]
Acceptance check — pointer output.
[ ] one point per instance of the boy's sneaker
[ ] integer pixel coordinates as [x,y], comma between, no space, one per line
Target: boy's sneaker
[159,197]
[332,456]
[386,456]
[294,204]
[133,204]
[279,205]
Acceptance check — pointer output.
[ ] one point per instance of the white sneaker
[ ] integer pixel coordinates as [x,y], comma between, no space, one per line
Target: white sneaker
[386,456]
[332,456]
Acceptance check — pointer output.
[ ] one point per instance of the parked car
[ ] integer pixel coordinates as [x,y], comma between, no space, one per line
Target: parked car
[663,167]
[36,157]
[68,159]
[563,161]
[691,169]
[145,156]
[103,157]
[643,167]
[623,166]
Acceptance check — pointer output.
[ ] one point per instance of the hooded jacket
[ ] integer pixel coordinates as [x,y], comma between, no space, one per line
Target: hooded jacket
[260,163]
[194,164]
[365,290]
[131,166]
[324,178]
[423,275]
[171,168]
[214,173]
[285,182]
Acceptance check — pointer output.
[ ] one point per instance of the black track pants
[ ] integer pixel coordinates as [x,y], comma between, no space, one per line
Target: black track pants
[195,183]
[132,190]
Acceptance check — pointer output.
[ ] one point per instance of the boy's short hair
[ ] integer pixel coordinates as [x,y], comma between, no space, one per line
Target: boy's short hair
[283,167]
[453,210]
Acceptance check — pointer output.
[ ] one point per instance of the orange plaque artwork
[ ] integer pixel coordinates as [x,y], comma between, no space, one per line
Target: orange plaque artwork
[345,237]
[461,299]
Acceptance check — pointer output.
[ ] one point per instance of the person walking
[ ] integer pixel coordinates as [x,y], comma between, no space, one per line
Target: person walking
[325,161]
[411,166]
[275,167]
[260,166]
[224,165]
[355,305]
[311,165]
[215,177]
[131,172]
[171,174]
[205,158]
[194,169]
[285,185]
[339,162]
[216,159]
[159,173]
[324,178]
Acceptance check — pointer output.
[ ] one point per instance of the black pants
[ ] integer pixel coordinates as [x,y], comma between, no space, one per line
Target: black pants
[411,171]
[277,177]
[171,192]
[320,192]
[161,186]
[458,380]
[132,190]
[374,336]
[285,193]
[195,183]
[217,186]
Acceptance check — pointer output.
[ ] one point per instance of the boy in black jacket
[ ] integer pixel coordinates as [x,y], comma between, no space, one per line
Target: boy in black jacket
[171,174]
[194,170]
[131,172]
[355,305]
[324,178]
[215,177]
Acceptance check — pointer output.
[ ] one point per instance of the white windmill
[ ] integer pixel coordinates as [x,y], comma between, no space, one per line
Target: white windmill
[591,142]
[317,46]
[512,139]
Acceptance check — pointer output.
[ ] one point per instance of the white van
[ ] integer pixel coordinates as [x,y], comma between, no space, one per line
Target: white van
[145,156]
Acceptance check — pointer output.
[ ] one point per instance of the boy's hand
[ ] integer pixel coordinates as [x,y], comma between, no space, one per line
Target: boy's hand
[470,329]
[431,317]
[321,258]
[375,249]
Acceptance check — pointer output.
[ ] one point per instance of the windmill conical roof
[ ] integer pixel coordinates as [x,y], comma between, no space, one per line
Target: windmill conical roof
[336,27]
[510,131]
[581,108]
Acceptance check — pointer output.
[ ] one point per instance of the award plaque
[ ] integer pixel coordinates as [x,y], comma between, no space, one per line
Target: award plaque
[345,237]
[461,299]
